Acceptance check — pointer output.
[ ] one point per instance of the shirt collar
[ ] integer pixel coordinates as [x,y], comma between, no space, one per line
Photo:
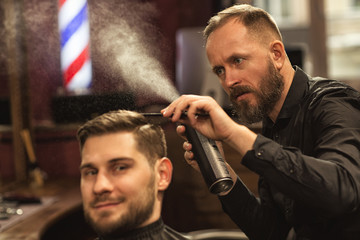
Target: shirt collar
[296,92]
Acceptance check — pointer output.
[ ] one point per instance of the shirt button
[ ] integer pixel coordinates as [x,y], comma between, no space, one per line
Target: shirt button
[260,153]
[291,170]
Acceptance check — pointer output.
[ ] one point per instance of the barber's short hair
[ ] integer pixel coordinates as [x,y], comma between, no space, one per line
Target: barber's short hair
[150,138]
[255,19]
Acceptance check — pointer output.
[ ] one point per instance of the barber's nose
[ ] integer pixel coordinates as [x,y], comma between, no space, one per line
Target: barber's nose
[232,78]
[102,184]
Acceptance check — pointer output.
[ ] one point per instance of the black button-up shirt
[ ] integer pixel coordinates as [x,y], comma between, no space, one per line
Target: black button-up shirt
[309,167]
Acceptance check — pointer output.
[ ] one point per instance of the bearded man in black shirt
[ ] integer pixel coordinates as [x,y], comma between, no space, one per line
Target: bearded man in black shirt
[308,155]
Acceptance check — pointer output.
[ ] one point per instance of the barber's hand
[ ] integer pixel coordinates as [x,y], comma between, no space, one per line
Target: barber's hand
[218,125]
[189,155]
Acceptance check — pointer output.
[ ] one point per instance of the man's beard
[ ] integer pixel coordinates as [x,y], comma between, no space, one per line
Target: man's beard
[271,87]
[137,212]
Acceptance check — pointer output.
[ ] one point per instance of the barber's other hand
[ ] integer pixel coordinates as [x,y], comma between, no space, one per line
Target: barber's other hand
[188,154]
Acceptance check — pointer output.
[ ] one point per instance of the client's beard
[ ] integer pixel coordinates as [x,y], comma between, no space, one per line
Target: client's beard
[139,210]
[271,87]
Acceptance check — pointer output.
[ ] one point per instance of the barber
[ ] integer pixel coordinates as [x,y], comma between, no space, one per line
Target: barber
[307,157]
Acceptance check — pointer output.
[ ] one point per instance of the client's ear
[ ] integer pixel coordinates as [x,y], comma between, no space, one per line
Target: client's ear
[164,171]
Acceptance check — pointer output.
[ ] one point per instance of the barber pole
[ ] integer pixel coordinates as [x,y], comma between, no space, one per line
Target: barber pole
[75,44]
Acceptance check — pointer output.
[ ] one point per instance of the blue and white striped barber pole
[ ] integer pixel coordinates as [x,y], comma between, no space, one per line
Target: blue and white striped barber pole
[75,44]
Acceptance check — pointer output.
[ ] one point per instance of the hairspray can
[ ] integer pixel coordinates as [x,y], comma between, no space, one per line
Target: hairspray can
[210,161]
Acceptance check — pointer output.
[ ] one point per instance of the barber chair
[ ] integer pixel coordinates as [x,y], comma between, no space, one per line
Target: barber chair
[217,234]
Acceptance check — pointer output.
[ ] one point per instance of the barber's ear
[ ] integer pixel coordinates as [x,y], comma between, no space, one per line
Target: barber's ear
[278,54]
[164,171]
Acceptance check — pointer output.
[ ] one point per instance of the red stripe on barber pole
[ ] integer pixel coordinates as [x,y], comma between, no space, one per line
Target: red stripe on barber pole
[61,2]
[76,65]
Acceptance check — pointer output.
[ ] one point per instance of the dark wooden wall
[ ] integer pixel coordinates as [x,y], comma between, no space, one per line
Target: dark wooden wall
[37,43]
[43,51]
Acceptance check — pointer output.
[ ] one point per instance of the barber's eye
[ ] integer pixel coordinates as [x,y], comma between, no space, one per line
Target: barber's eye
[219,71]
[238,60]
